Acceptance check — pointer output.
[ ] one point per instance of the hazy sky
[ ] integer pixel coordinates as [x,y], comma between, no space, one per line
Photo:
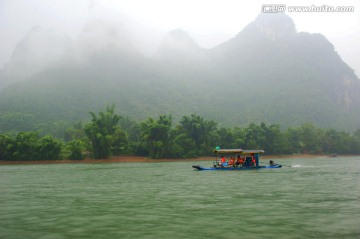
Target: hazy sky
[209,21]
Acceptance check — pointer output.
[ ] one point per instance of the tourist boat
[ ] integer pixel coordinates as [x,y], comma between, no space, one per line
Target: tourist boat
[237,159]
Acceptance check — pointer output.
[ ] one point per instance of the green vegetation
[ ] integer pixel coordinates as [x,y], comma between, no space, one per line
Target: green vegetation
[110,134]
[104,133]
[29,146]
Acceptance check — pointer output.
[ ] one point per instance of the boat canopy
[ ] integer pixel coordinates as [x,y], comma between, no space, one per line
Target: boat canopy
[238,151]
[253,151]
[228,151]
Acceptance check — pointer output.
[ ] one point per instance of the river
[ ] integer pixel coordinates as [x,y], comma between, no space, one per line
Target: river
[314,198]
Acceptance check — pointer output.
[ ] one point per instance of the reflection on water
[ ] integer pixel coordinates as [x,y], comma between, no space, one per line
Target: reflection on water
[315,198]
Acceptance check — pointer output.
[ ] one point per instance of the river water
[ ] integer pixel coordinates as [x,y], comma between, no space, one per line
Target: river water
[315,198]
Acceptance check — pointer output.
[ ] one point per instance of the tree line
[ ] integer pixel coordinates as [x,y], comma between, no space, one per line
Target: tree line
[109,134]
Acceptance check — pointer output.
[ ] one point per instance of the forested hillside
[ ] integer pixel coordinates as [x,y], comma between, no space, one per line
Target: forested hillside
[268,73]
[109,133]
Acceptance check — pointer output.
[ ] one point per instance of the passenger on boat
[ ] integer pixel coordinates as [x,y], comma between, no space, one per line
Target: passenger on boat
[271,163]
[253,161]
[239,161]
[222,161]
[232,161]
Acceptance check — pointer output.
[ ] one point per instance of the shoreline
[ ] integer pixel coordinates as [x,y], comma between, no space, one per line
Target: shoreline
[137,159]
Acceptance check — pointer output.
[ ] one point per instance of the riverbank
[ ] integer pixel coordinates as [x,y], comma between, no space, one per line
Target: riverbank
[137,159]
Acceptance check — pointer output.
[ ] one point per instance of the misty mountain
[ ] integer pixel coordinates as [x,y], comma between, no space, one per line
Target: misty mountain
[41,48]
[288,77]
[178,45]
[37,51]
[268,73]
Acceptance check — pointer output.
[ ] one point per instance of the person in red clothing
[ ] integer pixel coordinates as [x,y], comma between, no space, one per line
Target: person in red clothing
[232,161]
[222,161]
[239,161]
[253,161]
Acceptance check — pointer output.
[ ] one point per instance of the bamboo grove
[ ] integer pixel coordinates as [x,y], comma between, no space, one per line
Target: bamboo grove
[109,134]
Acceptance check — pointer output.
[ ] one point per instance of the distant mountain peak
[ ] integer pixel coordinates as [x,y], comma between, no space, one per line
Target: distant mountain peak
[178,42]
[275,26]
[37,51]
[39,45]
[99,34]
[180,35]
[257,35]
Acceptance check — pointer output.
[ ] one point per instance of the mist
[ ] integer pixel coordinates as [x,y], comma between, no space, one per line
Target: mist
[210,24]
[262,67]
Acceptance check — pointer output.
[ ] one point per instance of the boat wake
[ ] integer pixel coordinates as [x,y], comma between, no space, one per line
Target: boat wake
[300,166]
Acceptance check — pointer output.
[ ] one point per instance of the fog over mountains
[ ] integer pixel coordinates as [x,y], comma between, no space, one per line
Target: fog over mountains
[268,73]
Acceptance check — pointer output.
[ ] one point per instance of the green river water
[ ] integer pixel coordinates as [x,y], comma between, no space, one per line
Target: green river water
[316,198]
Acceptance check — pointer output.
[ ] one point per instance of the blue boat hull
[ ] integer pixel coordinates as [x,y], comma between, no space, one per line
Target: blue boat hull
[198,167]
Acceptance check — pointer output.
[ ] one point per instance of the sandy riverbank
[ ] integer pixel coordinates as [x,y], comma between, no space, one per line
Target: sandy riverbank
[136,159]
